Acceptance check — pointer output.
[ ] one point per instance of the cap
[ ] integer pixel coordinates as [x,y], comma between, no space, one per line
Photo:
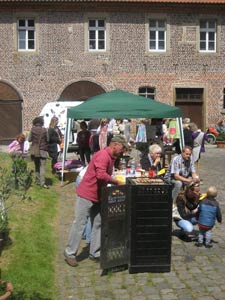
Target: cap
[120,139]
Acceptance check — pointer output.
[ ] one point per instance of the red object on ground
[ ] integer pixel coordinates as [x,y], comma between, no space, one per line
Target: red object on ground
[213,131]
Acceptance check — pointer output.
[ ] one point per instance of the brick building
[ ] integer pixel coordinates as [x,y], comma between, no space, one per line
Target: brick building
[50,50]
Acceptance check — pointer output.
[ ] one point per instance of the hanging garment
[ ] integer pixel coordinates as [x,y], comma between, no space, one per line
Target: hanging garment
[141,136]
[198,140]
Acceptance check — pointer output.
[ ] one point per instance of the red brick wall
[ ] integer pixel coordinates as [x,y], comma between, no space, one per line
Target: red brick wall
[61,57]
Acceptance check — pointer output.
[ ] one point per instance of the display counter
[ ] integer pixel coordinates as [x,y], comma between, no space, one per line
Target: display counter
[137,225]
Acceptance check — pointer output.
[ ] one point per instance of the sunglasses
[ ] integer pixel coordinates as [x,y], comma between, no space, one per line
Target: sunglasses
[194,184]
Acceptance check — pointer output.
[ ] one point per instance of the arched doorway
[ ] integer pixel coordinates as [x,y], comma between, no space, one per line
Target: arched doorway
[10,113]
[81,90]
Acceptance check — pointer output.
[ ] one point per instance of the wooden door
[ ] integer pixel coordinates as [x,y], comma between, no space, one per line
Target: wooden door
[190,101]
[194,111]
[10,120]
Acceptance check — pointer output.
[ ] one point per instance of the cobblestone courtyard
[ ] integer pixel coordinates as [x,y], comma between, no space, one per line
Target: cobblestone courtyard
[196,273]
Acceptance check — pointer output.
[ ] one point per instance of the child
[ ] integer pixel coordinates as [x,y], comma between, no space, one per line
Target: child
[208,213]
[16,148]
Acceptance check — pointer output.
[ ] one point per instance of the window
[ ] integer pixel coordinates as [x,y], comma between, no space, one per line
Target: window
[26,34]
[147,92]
[208,36]
[157,35]
[97,35]
[189,95]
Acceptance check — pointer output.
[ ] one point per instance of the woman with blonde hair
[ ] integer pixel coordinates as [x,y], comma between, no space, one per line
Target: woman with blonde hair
[54,139]
[103,133]
[152,159]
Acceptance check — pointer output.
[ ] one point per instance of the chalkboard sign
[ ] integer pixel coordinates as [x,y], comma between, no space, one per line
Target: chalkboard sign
[116,202]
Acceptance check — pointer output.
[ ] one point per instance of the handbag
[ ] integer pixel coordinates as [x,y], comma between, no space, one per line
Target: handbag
[35,149]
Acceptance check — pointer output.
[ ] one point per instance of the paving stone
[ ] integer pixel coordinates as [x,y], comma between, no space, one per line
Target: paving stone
[153,297]
[171,296]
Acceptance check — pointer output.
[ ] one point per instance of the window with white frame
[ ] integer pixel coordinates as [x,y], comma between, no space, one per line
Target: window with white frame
[147,92]
[97,35]
[26,34]
[157,35]
[208,35]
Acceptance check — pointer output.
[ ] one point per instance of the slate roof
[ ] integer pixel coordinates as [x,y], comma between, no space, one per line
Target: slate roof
[122,1]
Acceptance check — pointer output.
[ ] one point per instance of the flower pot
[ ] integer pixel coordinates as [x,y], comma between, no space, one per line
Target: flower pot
[4,237]
[220,144]
[8,288]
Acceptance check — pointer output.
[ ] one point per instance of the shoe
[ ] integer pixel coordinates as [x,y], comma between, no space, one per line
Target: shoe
[208,245]
[192,236]
[95,259]
[183,236]
[71,261]
[198,244]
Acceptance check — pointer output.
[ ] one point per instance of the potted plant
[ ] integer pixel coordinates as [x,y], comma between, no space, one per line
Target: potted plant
[6,289]
[220,140]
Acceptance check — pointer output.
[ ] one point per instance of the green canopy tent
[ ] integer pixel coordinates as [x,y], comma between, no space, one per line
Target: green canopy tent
[119,104]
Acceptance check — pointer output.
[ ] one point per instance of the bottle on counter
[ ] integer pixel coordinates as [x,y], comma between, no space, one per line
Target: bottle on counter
[138,167]
[132,167]
[123,166]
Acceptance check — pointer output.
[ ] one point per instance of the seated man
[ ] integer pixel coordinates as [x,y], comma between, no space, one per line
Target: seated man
[181,171]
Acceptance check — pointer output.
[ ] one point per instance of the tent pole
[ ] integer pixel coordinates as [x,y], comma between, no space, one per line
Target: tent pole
[65,148]
[180,126]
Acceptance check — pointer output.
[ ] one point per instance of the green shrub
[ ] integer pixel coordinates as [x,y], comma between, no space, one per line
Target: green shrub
[221,136]
[22,176]
[5,190]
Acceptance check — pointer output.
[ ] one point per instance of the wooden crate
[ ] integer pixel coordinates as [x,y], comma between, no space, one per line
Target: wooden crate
[69,176]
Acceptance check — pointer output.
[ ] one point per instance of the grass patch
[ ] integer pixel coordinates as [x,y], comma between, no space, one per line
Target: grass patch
[28,259]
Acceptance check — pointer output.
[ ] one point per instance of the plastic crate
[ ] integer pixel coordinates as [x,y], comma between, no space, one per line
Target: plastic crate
[150,211]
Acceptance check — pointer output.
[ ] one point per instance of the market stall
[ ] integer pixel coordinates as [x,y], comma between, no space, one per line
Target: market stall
[136,217]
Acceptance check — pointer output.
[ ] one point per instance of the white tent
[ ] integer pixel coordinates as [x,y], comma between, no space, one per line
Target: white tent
[58,109]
